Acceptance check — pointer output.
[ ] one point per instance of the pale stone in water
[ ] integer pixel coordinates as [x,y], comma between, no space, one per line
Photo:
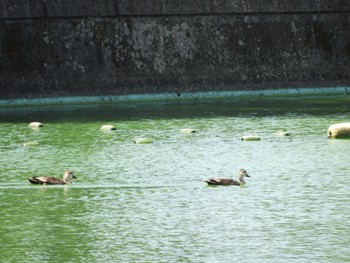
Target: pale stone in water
[187,130]
[143,140]
[250,138]
[282,134]
[107,128]
[35,125]
[339,130]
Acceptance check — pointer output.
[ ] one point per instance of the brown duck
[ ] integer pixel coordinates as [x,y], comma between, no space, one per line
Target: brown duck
[229,181]
[53,180]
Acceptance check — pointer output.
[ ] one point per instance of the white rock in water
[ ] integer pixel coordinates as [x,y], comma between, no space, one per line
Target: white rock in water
[250,138]
[35,125]
[143,140]
[107,128]
[339,130]
[187,130]
[282,134]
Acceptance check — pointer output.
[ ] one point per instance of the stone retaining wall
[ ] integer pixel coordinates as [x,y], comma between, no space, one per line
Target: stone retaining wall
[83,48]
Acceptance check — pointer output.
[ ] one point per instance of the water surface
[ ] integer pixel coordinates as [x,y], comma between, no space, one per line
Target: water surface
[149,203]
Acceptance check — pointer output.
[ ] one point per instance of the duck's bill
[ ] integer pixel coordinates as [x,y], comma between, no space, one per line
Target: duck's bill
[74,177]
[247,175]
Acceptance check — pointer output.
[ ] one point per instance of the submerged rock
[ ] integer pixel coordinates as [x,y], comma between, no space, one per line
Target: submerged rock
[30,143]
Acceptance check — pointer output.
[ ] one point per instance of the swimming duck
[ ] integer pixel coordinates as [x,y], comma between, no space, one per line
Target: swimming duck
[229,181]
[52,180]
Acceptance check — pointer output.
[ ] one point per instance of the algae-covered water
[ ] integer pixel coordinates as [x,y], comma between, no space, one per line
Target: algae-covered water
[149,202]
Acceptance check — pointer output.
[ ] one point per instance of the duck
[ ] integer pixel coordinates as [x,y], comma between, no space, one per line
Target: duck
[228,181]
[44,180]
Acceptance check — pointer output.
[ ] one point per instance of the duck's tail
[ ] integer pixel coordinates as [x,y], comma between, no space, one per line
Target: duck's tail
[211,182]
[33,180]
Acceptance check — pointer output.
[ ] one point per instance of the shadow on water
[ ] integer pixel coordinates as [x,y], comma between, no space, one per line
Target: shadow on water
[263,106]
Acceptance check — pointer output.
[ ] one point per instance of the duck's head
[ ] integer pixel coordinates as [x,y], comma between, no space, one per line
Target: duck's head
[243,173]
[69,175]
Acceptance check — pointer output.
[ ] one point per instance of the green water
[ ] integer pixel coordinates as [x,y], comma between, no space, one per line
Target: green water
[149,202]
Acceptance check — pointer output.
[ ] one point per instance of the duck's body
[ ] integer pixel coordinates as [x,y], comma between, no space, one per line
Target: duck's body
[229,181]
[52,180]
[222,181]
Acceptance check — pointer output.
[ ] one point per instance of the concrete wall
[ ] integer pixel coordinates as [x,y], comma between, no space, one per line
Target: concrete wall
[63,48]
